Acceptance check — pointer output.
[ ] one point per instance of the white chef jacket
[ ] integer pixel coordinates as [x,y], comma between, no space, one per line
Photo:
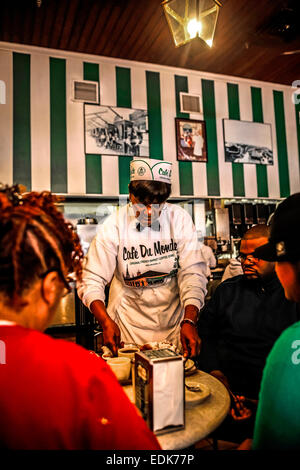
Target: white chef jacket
[154,274]
[209,257]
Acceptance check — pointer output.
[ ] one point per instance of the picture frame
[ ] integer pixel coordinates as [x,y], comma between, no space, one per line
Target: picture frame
[112,130]
[248,142]
[191,143]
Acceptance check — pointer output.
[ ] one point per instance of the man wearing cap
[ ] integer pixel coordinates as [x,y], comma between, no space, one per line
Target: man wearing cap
[148,250]
[277,424]
[243,319]
[240,324]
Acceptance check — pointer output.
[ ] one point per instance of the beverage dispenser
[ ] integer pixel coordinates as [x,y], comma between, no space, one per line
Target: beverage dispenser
[248,215]
[262,213]
[235,217]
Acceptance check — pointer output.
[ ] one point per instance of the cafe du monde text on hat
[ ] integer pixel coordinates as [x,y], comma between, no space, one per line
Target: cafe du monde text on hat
[151,170]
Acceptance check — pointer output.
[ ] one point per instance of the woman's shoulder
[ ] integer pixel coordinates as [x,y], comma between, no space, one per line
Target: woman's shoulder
[62,357]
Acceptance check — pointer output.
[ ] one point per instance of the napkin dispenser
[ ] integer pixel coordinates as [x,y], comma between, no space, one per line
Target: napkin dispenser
[159,389]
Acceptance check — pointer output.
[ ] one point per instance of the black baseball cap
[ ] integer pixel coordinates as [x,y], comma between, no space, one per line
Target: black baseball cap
[284,240]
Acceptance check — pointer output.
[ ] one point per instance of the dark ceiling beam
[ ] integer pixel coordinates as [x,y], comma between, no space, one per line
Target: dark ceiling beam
[68,24]
[80,19]
[89,26]
[17,21]
[109,30]
[122,31]
[60,16]
[136,29]
[26,33]
[95,35]
[156,39]
[49,23]
[144,39]
[6,22]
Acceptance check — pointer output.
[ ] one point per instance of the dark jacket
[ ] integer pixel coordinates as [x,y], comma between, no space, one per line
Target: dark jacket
[239,326]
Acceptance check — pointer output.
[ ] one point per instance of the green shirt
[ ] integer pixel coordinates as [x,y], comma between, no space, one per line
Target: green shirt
[277,424]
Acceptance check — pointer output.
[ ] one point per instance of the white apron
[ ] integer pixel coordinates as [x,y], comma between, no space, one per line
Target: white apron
[146,314]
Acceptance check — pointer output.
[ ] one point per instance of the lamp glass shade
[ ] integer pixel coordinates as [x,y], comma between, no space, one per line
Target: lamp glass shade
[189,19]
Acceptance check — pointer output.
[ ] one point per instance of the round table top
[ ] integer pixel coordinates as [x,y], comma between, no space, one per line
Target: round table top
[200,420]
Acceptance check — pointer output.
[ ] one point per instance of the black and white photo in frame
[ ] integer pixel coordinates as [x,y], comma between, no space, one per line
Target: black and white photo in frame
[248,142]
[116,131]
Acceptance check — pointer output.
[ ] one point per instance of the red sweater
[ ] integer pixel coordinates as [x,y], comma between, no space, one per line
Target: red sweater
[56,395]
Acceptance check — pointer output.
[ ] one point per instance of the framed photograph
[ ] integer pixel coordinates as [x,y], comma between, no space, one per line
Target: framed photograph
[248,142]
[116,131]
[191,140]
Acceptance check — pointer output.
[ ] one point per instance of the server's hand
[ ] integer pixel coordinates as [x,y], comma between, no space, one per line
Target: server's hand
[191,343]
[111,335]
[111,332]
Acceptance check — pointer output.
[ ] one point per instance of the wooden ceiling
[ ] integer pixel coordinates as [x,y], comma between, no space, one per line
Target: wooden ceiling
[250,37]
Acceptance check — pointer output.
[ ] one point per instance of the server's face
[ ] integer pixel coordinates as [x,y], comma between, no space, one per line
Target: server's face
[254,268]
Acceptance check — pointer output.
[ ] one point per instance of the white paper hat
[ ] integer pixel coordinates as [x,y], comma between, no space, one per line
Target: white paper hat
[150,169]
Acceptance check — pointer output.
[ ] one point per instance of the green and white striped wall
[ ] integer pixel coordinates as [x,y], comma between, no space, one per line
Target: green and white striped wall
[42,129]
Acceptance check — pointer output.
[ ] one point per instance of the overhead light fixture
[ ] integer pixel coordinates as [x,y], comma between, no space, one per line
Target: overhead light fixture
[189,19]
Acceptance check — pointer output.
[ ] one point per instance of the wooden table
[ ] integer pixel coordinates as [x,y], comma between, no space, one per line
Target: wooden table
[200,420]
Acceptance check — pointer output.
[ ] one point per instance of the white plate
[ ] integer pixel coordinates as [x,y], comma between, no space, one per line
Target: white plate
[193,398]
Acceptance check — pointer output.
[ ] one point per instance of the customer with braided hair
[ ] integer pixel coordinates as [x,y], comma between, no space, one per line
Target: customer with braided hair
[53,394]
[33,233]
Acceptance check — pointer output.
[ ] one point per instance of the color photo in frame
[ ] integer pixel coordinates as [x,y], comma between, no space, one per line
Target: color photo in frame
[191,140]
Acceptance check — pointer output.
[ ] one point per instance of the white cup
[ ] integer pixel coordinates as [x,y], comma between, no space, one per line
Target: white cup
[120,366]
[106,357]
[128,351]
